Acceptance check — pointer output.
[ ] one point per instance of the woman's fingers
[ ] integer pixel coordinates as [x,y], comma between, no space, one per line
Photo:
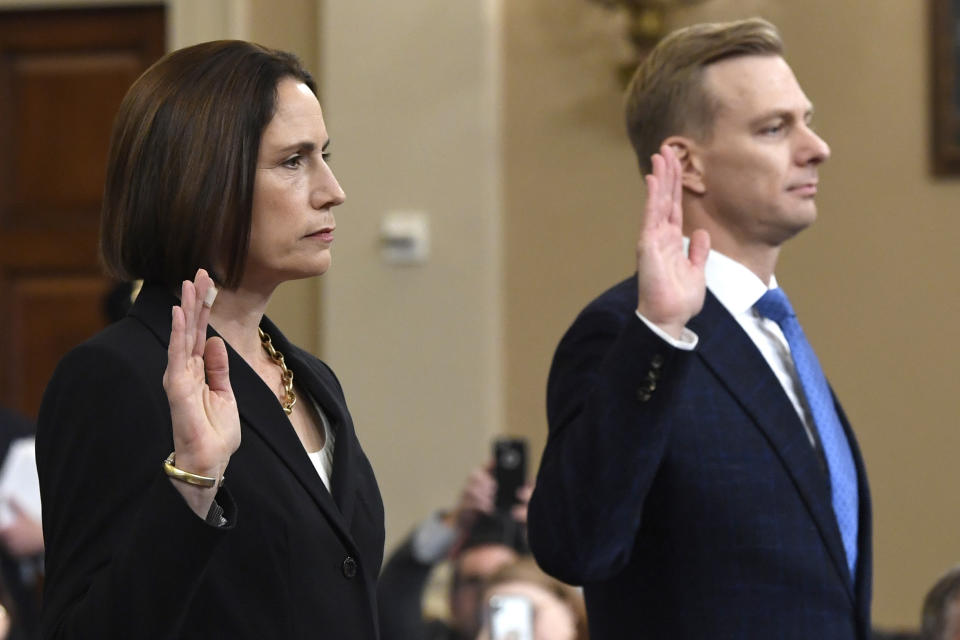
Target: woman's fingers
[206,293]
[196,298]
[176,350]
[188,301]
[217,366]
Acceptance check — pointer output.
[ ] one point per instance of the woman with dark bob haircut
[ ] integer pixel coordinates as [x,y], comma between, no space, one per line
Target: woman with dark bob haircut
[217,174]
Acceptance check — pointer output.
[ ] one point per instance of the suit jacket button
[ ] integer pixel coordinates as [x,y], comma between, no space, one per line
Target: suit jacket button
[349,567]
[643,395]
[657,361]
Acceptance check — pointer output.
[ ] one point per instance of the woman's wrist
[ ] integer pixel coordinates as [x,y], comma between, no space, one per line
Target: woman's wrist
[206,466]
[197,483]
[199,499]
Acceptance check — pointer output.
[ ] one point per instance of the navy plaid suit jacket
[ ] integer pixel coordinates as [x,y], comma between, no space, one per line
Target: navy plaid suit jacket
[681,490]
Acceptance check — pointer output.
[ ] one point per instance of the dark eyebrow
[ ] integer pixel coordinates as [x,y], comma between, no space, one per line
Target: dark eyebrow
[303,147]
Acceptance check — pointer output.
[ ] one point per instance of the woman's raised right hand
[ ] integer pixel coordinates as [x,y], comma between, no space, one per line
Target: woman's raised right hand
[203,410]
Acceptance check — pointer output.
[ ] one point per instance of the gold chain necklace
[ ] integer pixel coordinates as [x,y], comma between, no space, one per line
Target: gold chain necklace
[286,376]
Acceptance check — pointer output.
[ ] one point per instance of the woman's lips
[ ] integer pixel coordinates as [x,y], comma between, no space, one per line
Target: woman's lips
[325,234]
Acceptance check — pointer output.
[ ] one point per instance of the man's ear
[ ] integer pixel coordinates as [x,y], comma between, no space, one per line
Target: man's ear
[691,163]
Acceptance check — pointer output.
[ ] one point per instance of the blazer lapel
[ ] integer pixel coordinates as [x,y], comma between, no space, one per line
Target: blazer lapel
[261,412]
[317,382]
[259,409]
[728,351]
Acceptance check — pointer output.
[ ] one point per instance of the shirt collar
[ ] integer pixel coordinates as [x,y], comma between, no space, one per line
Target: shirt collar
[735,286]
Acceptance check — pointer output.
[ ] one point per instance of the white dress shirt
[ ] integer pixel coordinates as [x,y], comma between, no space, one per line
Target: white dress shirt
[738,289]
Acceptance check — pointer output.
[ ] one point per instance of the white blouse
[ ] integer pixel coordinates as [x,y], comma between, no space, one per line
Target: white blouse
[323,459]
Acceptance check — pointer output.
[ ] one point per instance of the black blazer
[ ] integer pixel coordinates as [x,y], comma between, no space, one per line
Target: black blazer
[680,488]
[126,557]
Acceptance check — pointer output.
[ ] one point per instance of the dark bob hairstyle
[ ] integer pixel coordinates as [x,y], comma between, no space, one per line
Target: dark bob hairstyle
[183,156]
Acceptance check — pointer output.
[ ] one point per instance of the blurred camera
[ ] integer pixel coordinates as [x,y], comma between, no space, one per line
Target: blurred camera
[510,470]
[511,617]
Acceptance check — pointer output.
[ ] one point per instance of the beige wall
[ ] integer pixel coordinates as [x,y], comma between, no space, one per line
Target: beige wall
[411,94]
[570,182]
[874,281]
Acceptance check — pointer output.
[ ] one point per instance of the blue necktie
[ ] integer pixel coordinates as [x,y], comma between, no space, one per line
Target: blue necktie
[836,449]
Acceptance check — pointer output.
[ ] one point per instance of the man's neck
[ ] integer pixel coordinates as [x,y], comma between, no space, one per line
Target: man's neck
[758,257]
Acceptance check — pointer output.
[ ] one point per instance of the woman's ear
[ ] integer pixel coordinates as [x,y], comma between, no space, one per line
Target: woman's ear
[691,163]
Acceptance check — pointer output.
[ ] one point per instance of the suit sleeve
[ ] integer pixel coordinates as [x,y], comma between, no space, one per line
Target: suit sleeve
[608,406]
[125,554]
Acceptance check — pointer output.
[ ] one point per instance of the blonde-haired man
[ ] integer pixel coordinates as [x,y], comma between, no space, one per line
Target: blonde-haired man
[699,478]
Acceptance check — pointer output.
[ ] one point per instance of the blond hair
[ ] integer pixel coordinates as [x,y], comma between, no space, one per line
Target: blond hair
[667,95]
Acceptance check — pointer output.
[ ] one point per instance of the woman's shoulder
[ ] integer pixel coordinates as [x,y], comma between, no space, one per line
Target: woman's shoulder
[105,389]
[126,346]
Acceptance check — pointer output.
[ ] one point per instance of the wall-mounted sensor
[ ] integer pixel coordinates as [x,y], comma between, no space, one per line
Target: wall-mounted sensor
[405,237]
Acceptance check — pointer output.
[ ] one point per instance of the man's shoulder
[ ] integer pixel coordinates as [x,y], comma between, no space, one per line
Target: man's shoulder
[620,298]
[602,318]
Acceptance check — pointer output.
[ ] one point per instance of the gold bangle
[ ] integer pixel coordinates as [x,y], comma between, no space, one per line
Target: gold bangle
[185,476]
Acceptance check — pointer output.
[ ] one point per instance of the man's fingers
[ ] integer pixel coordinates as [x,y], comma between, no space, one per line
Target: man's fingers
[699,248]
[676,205]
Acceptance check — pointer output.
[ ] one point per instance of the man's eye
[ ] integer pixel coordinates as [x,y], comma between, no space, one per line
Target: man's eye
[772,130]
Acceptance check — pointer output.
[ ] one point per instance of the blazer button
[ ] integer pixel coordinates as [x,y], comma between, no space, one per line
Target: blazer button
[643,395]
[349,567]
[657,361]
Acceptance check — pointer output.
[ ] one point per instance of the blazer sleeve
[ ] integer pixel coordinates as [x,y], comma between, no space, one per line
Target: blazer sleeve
[125,554]
[608,406]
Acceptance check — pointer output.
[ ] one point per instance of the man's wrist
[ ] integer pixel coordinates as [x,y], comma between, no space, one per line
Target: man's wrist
[685,339]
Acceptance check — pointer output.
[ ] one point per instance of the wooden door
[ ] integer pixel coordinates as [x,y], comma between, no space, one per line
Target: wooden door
[62,76]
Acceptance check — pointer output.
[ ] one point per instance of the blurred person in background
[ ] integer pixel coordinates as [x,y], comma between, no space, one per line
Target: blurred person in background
[21,533]
[475,538]
[557,609]
[940,617]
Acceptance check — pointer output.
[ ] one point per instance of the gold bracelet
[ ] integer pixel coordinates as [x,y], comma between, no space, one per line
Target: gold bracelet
[185,476]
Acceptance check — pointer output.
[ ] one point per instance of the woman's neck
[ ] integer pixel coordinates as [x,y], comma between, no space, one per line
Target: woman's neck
[236,315]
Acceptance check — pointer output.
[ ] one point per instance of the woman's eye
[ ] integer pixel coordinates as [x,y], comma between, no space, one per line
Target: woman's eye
[326,156]
[293,162]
